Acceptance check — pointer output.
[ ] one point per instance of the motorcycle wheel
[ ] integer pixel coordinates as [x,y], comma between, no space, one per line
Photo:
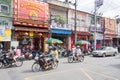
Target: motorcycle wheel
[70,59]
[36,67]
[55,65]
[81,58]
[19,62]
[1,65]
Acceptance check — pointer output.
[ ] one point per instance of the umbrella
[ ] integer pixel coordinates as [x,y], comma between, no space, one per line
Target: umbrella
[82,42]
[53,40]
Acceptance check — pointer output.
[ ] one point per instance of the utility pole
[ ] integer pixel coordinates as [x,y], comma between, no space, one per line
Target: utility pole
[75,36]
[95,27]
[50,22]
[98,3]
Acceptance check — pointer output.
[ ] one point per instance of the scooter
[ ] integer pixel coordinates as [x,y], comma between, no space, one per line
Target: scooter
[40,63]
[72,58]
[6,62]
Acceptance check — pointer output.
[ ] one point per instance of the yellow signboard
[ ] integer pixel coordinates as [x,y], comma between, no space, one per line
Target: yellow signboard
[31,34]
[6,36]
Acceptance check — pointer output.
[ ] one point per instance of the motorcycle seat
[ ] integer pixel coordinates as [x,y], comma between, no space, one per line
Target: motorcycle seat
[49,59]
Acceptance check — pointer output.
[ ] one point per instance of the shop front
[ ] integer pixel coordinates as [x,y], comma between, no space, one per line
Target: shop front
[31,23]
[5,24]
[34,38]
[99,36]
[110,40]
[5,33]
[83,36]
[63,35]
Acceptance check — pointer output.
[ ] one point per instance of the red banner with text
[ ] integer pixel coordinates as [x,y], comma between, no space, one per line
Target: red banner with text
[31,13]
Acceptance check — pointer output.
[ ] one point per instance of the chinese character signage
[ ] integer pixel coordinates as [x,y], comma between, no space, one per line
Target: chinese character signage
[30,12]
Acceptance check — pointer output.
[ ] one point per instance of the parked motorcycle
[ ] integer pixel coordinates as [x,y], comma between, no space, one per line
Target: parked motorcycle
[40,64]
[6,62]
[72,58]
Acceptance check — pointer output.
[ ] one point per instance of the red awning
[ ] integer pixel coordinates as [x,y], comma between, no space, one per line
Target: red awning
[82,33]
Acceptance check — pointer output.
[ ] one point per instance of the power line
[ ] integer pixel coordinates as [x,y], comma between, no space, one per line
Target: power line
[104,7]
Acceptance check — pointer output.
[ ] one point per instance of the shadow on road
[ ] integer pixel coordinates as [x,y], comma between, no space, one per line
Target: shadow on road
[96,56]
[108,56]
[65,62]
[27,71]
[71,62]
[116,66]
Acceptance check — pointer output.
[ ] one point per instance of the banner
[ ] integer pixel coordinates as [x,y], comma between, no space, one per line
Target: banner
[6,35]
[31,12]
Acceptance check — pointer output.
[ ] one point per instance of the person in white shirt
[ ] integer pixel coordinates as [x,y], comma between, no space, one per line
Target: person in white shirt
[78,52]
[73,50]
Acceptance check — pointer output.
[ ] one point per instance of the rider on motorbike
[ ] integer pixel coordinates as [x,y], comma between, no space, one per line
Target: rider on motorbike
[78,52]
[55,54]
[11,54]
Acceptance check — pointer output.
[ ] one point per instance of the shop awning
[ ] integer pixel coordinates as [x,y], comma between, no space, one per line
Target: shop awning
[82,33]
[58,31]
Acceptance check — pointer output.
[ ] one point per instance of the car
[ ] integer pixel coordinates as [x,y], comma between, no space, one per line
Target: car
[105,51]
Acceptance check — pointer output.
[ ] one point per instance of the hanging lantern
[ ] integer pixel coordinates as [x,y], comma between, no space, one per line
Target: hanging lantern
[26,33]
[40,34]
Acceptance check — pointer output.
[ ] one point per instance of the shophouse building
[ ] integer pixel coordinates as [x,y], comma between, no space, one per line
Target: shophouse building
[81,25]
[59,27]
[31,23]
[5,23]
[99,30]
[110,31]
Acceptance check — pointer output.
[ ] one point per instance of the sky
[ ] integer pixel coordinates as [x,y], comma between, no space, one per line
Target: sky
[110,8]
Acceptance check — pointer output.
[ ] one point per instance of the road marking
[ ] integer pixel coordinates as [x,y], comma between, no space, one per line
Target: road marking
[104,75]
[81,69]
[46,74]
[51,73]
[86,74]
[27,78]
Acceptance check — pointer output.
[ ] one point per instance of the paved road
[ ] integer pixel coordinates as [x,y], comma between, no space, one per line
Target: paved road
[93,68]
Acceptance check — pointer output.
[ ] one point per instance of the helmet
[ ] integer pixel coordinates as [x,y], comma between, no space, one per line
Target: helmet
[54,48]
[12,47]
[78,46]
[50,47]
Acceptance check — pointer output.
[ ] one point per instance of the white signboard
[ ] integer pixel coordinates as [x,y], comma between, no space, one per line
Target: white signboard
[99,36]
[14,44]
[2,32]
[61,26]
[5,24]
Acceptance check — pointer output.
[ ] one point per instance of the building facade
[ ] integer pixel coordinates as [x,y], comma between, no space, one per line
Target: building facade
[59,27]
[110,32]
[31,23]
[5,23]
[81,26]
[99,31]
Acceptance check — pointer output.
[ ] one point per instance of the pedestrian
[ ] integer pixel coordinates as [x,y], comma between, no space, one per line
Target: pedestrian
[118,48]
